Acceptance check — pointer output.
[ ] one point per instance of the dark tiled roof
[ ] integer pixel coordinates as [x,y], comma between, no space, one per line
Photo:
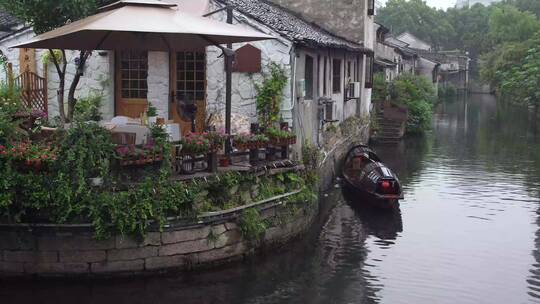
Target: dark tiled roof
[290,25]
[7,21]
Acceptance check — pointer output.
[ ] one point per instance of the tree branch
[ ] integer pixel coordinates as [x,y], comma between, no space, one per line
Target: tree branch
[55,61]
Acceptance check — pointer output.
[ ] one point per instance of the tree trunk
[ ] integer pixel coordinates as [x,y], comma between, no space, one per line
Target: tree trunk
[72,101]
[61,71]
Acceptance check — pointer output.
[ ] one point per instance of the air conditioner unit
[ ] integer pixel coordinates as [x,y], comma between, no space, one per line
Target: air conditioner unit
[354,90]
[330,112]
[301,88]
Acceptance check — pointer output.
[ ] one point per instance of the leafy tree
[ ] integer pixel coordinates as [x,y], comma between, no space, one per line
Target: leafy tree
[416,17]
[532,6]
[508,24]
[418,95]
[501,59]
[523,80]
[471,26]
[46,15]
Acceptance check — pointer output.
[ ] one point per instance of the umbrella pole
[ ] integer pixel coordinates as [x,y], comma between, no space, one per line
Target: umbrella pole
[228,87]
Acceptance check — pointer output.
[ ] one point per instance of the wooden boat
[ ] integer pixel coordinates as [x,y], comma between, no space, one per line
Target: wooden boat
[365,173]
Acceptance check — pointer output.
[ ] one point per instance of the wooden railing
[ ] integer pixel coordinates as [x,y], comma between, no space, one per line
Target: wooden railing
[33,90]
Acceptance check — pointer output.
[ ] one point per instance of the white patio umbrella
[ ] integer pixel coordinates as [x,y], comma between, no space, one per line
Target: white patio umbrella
[143,25]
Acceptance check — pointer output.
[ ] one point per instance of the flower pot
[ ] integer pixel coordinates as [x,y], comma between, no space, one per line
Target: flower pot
[224,162]
[187,164]
[261,145]
[37,165]
[241,147]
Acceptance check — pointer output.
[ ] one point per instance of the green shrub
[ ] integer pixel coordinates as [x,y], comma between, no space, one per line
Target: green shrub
[269,96]
[252,226]
[380,88]
[447,91]
[418,95]
[10,103]
[420,116]
[88,108]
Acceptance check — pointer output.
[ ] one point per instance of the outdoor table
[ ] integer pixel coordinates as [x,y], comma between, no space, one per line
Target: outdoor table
[142,132]
[173,129]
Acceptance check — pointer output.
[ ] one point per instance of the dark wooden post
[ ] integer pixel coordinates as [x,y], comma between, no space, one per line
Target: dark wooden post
[285,152]
[212,162]
[11,78]
[228,86]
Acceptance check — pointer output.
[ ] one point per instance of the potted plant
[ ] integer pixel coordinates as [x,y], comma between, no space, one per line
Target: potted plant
[195,144]
[260,141]
[216,139]
[29,156]
[242,141]
[152,114]
[281,137]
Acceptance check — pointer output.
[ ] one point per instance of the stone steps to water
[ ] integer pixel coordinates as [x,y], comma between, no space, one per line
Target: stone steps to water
[389,131]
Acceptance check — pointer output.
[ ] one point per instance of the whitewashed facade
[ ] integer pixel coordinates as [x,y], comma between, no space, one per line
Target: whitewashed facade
[302,111]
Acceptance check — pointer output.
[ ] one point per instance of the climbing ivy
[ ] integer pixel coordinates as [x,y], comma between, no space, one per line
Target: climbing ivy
[269,96]
[252,226]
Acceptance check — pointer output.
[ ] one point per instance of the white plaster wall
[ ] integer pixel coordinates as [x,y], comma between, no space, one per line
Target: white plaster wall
[307,118]
[369,34]
[158,82]
[425,68]
[97,79]
[13,54]
[244,92]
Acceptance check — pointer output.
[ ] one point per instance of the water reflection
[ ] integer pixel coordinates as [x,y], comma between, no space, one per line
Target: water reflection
[467,232]
[384,224]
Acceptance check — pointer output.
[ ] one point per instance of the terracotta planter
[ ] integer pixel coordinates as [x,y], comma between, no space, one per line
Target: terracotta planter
[242,146]
[224,162]
[282,142]
[32,165]
[146,160]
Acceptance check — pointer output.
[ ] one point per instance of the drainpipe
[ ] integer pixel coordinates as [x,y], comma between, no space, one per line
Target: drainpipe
[293,79]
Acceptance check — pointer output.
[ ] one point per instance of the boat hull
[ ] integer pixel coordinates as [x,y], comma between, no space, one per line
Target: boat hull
[356,195]
[370,179]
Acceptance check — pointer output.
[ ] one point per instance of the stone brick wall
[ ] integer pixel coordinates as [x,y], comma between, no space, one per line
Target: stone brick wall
[72,251]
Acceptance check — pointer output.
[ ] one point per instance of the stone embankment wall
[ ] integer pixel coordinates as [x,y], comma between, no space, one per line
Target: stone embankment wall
[72,250]
[335,149]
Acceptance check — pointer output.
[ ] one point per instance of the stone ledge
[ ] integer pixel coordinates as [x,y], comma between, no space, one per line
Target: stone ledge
[31,256]
[131,254]
[83,256]
[186,247]
[185,235]
[77,253]
[56,268]
[119,266]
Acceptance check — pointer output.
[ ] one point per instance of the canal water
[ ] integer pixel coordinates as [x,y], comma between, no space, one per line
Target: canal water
[468,231]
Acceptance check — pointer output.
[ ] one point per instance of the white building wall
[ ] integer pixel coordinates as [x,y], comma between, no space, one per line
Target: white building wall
[98,75]
[158,82]
[244,91]
[369,34]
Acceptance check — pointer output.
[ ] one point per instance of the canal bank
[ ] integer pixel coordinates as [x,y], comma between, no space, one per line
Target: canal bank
[468,226]
[183,244]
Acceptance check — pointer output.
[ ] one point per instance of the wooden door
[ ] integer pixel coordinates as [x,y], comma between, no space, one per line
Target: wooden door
[188,80]
[131,83]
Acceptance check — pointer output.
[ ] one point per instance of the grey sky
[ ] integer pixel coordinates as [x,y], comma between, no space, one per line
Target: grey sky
[444,4]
